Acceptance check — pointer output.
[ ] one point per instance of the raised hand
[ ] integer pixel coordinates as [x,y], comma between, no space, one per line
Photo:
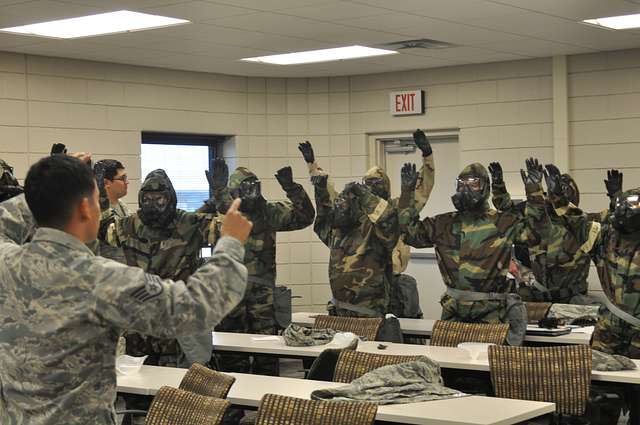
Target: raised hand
[58,148]
[496,172]
[219,177]
[553,179]
[307,152]
[409,177]
[285,177]
[534,172]
[320,181]
[358,189]
[235,224]
[613,183]
[421,141]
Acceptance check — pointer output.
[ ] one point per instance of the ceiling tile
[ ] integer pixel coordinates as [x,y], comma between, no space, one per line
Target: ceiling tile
[268,4]
[335,11]
[198,11]
[575,9]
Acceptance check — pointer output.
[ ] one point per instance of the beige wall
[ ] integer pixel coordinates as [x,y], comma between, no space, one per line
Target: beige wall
[503,112]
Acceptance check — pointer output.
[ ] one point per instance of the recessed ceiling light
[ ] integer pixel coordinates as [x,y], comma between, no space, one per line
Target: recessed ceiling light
[324,55]
[101,24]
[617,22]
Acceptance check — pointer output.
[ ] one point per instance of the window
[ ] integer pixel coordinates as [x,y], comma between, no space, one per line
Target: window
[184,157]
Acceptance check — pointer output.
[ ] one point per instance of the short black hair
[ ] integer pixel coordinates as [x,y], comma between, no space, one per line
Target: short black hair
[54,186]
[108,167]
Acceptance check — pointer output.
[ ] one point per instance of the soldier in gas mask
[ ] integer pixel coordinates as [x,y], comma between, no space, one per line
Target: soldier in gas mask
[9,186]
[473,245]
[404,300]
[256,314]
[361,230]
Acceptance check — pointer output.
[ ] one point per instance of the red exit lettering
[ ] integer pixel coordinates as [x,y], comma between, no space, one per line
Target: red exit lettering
[405,102]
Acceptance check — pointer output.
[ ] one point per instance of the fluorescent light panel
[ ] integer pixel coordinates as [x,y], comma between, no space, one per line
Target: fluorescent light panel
[101,24]
[617,22]
[324,55]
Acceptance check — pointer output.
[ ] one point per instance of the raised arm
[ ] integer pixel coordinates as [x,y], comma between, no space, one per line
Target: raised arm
[535,224]
[129,298]
[381,213]
[323,224]
[416,233]
[499,195]
[314,169]
[296,214]
[426,176]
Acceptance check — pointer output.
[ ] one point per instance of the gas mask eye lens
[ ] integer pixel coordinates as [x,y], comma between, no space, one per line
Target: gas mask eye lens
[473,183]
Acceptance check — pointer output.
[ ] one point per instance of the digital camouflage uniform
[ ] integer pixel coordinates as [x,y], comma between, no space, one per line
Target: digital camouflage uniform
[474,248]
[62,310]
[617,259]
[171,251]
[16,221]
[255,314]
[360,269]
[559,263]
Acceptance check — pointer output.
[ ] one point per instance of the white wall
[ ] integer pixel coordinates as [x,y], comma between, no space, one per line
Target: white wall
[503,110]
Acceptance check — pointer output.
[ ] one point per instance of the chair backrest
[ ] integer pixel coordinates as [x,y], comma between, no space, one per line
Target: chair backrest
[561,375]
[201,380]
[450,334]
[354,364]
[172,406]
[282,410]
[364,327]
[536,311]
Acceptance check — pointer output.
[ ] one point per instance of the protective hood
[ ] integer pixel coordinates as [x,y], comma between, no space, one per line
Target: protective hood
[345,213]
[469,200]
[249,203]
[9,186]
[382,190]
[625,218]
[570,189]
[157,181]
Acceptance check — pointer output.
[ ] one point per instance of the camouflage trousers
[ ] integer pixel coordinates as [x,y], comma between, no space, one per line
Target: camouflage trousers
[615,336]
[255,314]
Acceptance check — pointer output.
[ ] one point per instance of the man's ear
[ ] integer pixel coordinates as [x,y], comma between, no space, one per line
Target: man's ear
[84,209]
[107,182]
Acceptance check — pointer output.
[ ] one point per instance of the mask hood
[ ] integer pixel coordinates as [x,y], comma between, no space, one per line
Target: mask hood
[383,190]
[627,219]
[236,179]
[570,189]
[472,200]
[158,181]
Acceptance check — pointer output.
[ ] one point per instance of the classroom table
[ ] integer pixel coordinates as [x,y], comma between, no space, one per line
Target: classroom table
[447,357]
[424,327]
[248,390]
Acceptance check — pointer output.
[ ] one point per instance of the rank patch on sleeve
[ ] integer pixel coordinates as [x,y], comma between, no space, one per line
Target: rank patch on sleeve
[151,289]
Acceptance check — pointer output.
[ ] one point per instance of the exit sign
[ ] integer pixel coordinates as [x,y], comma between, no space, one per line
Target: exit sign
[406,102]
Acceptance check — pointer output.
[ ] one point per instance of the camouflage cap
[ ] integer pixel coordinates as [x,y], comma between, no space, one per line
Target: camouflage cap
[378,173]
[238,176]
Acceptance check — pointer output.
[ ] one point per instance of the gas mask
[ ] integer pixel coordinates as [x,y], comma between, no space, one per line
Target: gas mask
[250,191]
[570,189]
[626,216]
[471,193]
[157,200]
[377,186]
[9,186]
[344,211]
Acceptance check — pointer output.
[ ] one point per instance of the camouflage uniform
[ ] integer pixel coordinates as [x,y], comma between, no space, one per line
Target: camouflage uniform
[474,249]
[360,269]
[426,178]
[617,259]
[62,310]
[171,251]
[255,314]
[16,221]
[559,263]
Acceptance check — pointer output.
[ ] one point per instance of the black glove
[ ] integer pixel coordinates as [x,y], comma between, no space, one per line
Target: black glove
[307,152]
[219,177]
[534,172]
[613,183]
[58,148]
[409,177]
[422,143]
[104,199]
[357,189]
[320,181]
[496,173]
[285,178]
[553,179]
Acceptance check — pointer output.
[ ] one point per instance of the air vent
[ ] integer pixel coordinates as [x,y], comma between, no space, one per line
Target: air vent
[422,43]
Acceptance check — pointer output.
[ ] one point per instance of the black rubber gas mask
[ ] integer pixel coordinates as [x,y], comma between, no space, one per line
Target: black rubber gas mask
[377,186]
[470,193]
[626,216]
[250,191]
[344,212]
[154,205]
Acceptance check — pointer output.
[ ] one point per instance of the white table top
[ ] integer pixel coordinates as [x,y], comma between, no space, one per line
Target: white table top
[248,390]
[425,326]
[447,357]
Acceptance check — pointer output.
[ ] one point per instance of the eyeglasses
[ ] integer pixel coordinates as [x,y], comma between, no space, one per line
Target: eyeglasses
[123,179]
